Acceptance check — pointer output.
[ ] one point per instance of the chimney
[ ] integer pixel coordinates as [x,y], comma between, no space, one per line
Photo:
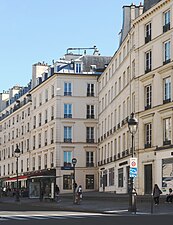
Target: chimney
[132,9]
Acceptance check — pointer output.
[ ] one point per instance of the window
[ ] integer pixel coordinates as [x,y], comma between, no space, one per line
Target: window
[166,22]
[33,142]
[111,176]
[90,89]
[67,159]
[34,122]
[46,115]
[90,111]
[167,131]
[147,32]
[148,96]
[119,84]
[45,161]
[89,159]
[52,159]
[148,62]
[39,119]
[78,67]
[67,134]
[52,135]
[133,68]
[40,99]
[52,91]
[33,163]
[90,134]
[67,110]
[167,51]
[39,140]
[45,137]
[52,112]
[21,165]
[46,95]
[27,164]
[39,162]
[148,135]
[120,177]
[67,89]
[167,90]
[67,182]
[89,181]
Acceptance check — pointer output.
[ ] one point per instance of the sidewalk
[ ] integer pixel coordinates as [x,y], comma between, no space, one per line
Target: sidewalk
[92,202]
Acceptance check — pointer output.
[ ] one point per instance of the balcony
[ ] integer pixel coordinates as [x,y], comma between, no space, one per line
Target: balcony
[90,94]
[166,27]
[167,142]
[148,69]
[166,100]
[147,145]
[118,156]
[119,126]
[107,133]
[67,115]
[148,107]
[114,128]
[104,135]
[67,93]
[67,140]
[123,153]
[147,39]
[110,131]
[166,61]
[90,140]
[90,116]
[89,164]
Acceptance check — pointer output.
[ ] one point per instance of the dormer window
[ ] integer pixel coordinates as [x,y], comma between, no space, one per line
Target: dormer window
[78,67]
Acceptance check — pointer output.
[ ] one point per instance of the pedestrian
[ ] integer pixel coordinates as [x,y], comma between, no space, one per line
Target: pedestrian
[57,192]
[156,194]
[79,194]
[169,196]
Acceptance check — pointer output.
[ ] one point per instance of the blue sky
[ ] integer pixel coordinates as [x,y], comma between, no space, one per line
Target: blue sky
[42,30]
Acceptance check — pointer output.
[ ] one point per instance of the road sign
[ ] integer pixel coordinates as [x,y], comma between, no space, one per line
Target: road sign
[133,162]
[133,172]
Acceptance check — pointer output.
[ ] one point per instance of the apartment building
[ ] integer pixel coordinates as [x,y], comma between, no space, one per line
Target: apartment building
[138,79]
[58,122]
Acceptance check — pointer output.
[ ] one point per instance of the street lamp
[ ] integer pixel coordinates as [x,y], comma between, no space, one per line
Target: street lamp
[133,126]
[102,178]
[74,161]
[17,155]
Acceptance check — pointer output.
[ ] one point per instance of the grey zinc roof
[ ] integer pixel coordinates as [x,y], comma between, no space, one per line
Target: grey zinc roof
[150,3]
[99,61]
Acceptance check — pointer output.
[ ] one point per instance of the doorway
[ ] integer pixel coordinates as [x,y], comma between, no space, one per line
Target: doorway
[148,179]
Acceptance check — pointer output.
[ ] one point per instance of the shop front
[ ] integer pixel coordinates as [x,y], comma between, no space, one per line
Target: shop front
[41,184]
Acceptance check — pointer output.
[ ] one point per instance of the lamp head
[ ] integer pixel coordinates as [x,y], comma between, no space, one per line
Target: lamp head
[17,151]
[132,124]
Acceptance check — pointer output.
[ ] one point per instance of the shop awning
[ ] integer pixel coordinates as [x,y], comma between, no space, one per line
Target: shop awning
[13,179]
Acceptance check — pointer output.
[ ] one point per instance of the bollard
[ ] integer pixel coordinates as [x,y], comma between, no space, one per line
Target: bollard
[151,203]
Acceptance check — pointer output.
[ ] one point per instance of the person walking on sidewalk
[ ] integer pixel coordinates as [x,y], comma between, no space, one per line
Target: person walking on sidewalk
[57,192]
[156,194]
[79,194]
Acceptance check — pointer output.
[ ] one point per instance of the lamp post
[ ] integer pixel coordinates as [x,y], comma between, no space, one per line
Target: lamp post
[17,155]
[74,161]
[132,125]
[102,178]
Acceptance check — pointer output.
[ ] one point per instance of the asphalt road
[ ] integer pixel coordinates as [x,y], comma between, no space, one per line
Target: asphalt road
[78,218]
